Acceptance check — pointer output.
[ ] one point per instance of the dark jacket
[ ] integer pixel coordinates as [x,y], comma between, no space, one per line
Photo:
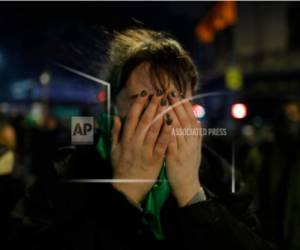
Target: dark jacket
[57,214]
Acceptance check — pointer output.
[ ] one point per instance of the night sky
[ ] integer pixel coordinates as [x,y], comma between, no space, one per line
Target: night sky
[32,34]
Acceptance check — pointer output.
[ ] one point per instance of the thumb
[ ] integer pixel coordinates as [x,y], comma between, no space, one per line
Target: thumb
[116,131]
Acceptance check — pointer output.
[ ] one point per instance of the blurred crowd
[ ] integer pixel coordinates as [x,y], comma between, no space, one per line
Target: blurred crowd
[271,166]
[24,143]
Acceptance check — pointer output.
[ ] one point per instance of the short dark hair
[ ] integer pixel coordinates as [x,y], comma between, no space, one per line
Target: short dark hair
[134,46]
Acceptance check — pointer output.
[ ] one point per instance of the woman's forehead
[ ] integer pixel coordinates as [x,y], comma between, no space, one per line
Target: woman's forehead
[141,77]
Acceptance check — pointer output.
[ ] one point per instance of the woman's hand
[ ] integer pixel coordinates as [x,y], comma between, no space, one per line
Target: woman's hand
[138,153]
[184,152]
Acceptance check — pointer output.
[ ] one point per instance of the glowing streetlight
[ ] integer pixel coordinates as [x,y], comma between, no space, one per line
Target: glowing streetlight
[45,78]
[239,110]
[199,111]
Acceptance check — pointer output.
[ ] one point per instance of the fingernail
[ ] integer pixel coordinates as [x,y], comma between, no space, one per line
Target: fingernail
[168,119]
[159,92]
[163,102]
[174,94]
[144,93]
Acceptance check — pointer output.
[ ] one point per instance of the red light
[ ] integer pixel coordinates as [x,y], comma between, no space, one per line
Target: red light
[239,110]
[101,96]
[199,111]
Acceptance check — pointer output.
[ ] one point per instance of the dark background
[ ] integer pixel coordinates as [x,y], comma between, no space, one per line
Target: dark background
[263,44]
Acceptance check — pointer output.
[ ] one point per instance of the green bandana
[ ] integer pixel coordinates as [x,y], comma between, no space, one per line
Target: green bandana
[155,199]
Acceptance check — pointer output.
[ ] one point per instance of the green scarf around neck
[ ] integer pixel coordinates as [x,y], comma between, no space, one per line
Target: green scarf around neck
[156,198]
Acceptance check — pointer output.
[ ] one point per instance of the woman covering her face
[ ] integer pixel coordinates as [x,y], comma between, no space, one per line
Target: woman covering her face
[166,190]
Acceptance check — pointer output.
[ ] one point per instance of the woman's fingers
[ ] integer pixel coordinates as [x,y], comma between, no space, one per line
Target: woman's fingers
[173,144]
[184,113]
[116,131]
[164,137]
[155,125]
[177,131]
[180,111]
[189,110]
[134,115]
[148,116]
[194,121]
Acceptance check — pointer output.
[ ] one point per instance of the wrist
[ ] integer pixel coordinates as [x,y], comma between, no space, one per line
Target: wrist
[198,197]
[129,192]
[185,194]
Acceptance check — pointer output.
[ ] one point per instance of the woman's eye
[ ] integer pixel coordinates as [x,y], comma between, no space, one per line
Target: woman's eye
[134,96]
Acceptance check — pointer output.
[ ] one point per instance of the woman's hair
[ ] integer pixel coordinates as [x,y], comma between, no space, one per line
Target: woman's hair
[164,54]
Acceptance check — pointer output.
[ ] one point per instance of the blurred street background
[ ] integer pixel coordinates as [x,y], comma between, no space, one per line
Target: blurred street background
[248,56]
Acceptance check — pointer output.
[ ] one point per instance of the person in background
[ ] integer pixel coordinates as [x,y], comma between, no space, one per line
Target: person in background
[7,144]
[11,187]
[287,182]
